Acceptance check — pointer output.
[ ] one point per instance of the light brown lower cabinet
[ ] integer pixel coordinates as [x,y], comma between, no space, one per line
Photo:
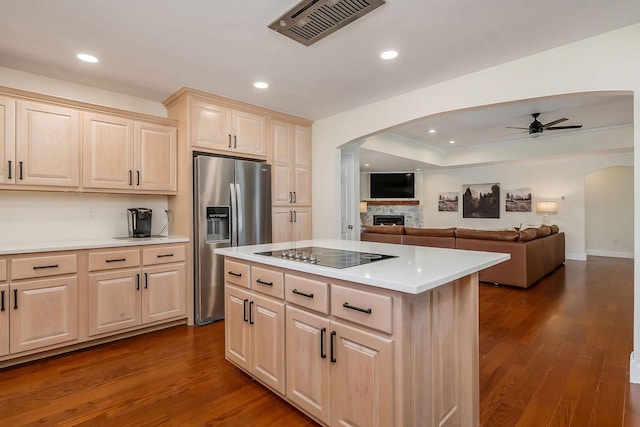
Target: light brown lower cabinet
[254,335]
[357,355]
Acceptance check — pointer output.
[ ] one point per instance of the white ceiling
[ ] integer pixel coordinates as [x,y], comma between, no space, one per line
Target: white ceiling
[151,48]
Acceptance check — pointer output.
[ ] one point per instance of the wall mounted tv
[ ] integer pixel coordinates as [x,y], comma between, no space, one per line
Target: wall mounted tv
[392,186]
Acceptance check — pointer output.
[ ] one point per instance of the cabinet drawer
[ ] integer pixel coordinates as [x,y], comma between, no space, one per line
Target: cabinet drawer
[114,259]
[50,265]
[308,293]
[163,255]
[3,270]
[267,282]
[236,273]
[364,308]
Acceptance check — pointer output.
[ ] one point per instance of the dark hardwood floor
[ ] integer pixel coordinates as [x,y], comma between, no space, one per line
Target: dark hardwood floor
[556,354]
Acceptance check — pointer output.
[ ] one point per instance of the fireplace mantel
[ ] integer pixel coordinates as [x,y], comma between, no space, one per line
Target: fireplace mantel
[392,202]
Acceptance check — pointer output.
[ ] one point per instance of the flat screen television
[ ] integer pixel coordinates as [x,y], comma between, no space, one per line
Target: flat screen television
[392,186]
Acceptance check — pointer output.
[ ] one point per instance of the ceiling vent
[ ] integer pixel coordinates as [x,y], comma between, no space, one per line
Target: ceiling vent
[311,20]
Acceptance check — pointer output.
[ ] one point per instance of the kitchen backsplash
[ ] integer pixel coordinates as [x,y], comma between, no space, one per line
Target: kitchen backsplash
[27,216]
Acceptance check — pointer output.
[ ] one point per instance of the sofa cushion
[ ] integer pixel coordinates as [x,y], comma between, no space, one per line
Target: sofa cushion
[527,235]
[431,232]
[554,229]
[500,235]
[543,231]
[383,229]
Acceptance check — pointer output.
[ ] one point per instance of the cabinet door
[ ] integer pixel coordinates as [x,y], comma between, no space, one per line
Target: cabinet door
[301,223]
[43,312]
[114,301]
[156,157]
[210,126]
[4,319]
[301,165]
[7,140]
[249,133]
[237,335]
[108,151]
[163,295]
[361,378]
[47,145]
[281,224]
[281,159]
[266,319]
[308,362]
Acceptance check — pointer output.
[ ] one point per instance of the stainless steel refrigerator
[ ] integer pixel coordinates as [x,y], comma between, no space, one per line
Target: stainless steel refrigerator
[232,207]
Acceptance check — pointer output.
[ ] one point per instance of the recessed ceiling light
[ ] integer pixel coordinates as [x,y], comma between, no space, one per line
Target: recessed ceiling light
[366,164]
[389,54]
[261,85]
[452,142]
[418,169]
[432,131]
[86,57]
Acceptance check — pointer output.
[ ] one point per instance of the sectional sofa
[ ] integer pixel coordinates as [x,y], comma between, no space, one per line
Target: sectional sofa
[535,252]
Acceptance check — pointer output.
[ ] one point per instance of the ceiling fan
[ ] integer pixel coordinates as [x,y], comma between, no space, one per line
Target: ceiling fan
[536,128]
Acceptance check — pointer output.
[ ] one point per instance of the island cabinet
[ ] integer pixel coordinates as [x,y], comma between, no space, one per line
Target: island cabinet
[356,354]
[125,154]
[223,128]
[254,322]
[39,305]
[133,287]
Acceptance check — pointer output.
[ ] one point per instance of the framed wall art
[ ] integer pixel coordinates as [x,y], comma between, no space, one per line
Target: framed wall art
[518,200]
[448,202]
[481,201]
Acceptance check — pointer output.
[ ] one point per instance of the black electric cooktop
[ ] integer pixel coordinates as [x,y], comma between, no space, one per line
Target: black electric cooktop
[335,258]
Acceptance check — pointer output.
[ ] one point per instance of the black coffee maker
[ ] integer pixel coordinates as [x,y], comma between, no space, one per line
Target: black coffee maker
[139,222]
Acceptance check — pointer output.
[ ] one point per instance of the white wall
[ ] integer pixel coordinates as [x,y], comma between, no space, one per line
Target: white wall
[562,180]
[607,62]
[30,216]
[609,212]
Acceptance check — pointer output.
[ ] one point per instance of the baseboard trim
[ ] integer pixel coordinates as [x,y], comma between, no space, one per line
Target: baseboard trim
[611,254]
[634,370]
[576,256]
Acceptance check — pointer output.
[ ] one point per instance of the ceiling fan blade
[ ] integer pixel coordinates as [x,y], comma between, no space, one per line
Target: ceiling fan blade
[555,122]
[511,127]
[510,134]
[565,127]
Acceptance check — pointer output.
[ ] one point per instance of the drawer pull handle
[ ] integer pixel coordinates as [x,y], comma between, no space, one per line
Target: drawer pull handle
[262,282]
[2,297]
[323,332]
[235,274]
[40,267]
[9,177]
[20,163]
[251,313]
[15,299]
[146,281]
[116,260]
[137,282]
[353,307]
[164,255]
[333,356]
[244,310]
[295,291]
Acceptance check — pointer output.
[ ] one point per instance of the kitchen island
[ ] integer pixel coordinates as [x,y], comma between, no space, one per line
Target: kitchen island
[359,333]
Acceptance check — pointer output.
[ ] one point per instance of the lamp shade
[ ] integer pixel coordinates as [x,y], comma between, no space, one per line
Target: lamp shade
[547,207]
[363,207]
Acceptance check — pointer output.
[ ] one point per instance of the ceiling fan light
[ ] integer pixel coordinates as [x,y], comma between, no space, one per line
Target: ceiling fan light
[536,135]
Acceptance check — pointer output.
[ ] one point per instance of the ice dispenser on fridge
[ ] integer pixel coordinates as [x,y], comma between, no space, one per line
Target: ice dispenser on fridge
[218,225]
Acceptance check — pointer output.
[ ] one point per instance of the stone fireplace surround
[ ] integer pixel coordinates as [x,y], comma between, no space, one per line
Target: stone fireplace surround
[410,209]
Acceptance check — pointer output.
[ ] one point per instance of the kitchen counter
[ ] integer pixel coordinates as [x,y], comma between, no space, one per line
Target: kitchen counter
[415,270]
[66,245]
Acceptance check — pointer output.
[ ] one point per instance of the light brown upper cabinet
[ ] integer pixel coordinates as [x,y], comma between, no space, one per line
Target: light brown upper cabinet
[221,128]
[124,154]
[7,140]
[46,145]
[291,164]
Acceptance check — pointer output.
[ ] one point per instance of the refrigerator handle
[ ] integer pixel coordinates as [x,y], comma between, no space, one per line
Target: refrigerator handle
[234,216]
[239,217]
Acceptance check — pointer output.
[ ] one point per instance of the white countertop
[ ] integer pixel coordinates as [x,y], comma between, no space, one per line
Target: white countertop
[417,268]
[67,245]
